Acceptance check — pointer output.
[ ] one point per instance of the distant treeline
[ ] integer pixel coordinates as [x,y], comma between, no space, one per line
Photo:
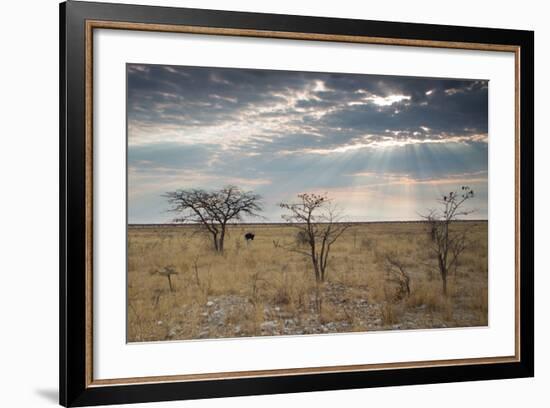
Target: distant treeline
[279,224]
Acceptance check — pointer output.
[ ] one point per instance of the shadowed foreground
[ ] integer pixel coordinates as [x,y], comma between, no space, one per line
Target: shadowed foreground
[261,288]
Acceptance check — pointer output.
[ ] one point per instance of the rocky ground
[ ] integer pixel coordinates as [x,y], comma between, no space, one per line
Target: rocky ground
[230,316]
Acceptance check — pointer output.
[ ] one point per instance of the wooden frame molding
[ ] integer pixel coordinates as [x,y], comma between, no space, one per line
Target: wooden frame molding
[78,22]
[113,25]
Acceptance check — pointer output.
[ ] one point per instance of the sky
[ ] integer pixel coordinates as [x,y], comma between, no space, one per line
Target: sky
[382,148]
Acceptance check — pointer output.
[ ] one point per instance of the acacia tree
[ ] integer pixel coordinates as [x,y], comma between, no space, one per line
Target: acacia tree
[214,209]
[448,243]
[318,222]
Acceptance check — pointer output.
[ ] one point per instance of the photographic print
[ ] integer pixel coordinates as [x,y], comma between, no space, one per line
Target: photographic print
[268,203]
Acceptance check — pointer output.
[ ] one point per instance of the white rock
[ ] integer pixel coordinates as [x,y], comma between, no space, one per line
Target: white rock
[268,325]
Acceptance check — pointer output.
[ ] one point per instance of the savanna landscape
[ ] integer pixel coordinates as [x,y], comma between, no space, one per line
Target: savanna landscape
[283,203]
[260,288]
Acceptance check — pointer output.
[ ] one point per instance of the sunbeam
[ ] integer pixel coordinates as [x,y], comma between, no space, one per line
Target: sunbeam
[382,148]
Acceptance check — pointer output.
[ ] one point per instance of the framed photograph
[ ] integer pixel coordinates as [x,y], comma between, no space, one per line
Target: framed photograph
[256,204]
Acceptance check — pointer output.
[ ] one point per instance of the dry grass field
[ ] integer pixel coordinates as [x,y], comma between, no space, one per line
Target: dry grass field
[262,288]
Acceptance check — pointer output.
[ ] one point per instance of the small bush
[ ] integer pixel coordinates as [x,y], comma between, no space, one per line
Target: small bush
[281,296]
[301,238]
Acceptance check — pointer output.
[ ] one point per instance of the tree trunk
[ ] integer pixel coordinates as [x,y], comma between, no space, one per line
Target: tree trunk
[222,239]
[316,269]
[318,299]
[443,273]
[215,239]
[314,259]
[324,260]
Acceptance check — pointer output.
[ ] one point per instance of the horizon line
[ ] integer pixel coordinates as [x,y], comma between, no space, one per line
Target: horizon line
[298,223]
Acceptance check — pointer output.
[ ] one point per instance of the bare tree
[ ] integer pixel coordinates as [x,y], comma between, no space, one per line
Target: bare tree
[214,209]
[318,222]
[167,272]
[396,270]
[448,243]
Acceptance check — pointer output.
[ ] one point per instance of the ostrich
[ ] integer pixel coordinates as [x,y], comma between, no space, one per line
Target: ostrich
[249,236]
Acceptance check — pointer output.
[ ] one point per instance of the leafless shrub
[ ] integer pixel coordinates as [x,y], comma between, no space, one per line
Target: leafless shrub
[238,245]
[301,238]
[281,296]
[167,272]
[255,281]
[448,243]
[317,221]
[397,274]
[366,243]
[389,315]
[203,285]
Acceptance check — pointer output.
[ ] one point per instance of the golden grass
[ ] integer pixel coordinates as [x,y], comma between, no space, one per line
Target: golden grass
[261,288]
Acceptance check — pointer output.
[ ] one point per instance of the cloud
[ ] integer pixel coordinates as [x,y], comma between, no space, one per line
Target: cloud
[389,179]
[181,100]
[281,132]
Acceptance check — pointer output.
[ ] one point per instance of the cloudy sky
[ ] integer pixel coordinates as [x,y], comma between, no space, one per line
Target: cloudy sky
[381,147]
